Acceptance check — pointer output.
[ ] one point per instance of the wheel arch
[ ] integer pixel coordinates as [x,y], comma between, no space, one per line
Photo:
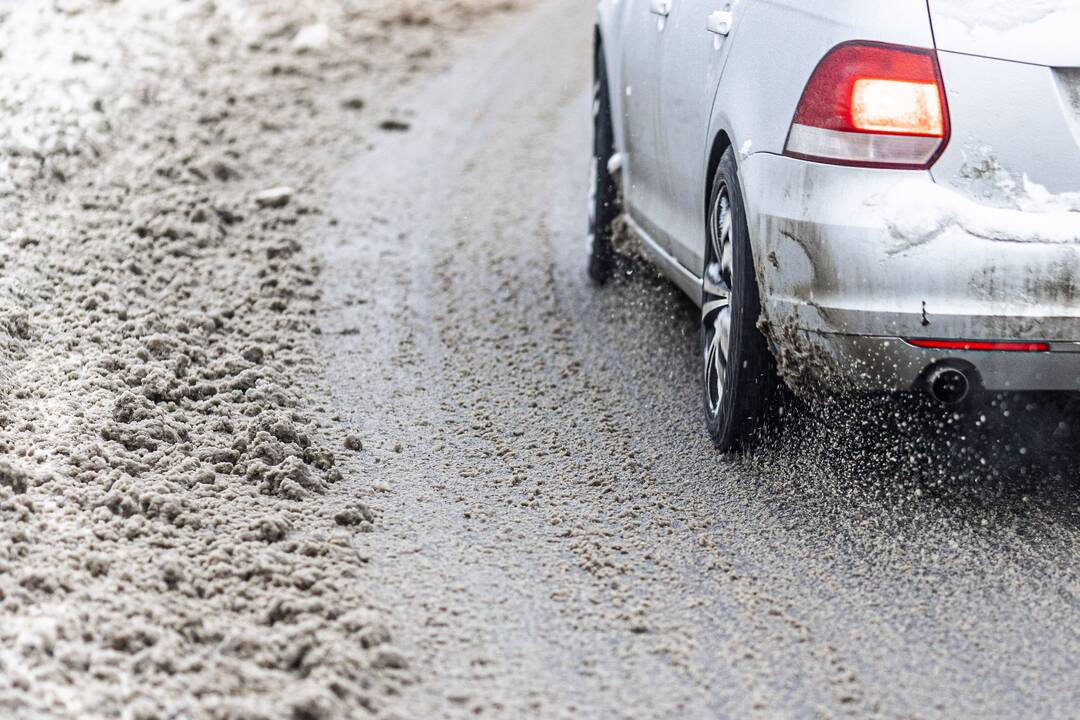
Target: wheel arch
[720,143]
[600,48]
[607,30]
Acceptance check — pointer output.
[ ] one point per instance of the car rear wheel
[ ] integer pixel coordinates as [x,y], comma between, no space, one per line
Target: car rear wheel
[739,374]
[603,193]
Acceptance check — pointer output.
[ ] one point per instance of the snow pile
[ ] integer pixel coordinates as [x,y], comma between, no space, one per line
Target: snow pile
[157,498]
[999,14]
[170,543]
[73,73]
[64,68]
[1035,31]
[917,212]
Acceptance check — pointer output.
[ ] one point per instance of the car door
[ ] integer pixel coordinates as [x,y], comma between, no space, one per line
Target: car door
[694,48]
[644,26]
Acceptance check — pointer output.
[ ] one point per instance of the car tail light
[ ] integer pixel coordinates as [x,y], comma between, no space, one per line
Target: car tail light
[872,105]
[986,345]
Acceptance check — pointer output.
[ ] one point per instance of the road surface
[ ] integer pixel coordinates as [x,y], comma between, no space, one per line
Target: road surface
[557,536]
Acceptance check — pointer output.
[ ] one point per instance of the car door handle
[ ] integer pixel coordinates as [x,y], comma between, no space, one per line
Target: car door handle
[660,7]
[719,22]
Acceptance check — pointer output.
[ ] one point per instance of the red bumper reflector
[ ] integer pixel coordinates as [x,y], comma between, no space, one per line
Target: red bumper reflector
[981,345]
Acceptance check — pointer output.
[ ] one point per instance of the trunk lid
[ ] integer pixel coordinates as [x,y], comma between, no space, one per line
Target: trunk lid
[1012,80]
[1040,32]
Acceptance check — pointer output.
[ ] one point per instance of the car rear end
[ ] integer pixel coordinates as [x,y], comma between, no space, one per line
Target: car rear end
[921,226]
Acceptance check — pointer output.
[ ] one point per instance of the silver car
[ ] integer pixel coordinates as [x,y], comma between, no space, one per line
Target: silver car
[861,196]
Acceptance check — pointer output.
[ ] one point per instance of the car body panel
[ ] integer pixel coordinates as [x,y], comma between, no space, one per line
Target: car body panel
[757,97]
[1040,32]
[838,258]
[691,63]
[993,153]
[642,34]
[609,20]
[866,363]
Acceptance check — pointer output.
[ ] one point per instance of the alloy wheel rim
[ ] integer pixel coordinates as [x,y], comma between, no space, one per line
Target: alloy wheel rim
[716,300]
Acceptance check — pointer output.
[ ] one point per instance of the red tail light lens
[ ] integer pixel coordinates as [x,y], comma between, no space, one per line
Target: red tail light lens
[873,105]
[981,345]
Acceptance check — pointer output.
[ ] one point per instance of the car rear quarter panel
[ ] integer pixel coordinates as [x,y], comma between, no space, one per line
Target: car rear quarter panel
[1012,123]
[610,20]
[780,42]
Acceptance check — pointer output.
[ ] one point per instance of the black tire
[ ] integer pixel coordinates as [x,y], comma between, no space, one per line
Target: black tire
[738,399]
[603,192]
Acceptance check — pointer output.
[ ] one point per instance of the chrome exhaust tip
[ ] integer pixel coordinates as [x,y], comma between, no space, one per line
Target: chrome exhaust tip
[948,385]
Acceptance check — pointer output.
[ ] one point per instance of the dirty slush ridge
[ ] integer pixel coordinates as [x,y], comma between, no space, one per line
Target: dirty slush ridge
[170,542]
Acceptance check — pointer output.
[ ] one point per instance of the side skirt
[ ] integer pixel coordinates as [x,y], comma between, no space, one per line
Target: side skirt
[678,273]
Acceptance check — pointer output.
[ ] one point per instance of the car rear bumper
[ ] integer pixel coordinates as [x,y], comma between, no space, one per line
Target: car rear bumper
[852,261]
[872,364]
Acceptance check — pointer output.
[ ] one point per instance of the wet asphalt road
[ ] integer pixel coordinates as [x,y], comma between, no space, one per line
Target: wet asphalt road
[557,537]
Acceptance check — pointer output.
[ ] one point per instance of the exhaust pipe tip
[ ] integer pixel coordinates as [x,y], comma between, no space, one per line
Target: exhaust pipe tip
[948,385]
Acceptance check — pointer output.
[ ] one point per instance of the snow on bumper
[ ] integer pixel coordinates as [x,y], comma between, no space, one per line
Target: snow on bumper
[851,260]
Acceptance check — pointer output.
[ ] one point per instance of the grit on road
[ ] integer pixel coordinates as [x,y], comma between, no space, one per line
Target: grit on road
[557,536]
